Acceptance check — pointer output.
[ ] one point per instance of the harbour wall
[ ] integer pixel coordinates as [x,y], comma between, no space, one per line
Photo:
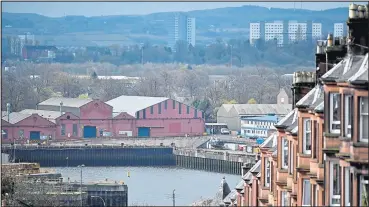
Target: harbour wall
[62,156]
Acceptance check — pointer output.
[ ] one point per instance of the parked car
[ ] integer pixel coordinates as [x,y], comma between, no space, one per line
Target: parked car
[224,131]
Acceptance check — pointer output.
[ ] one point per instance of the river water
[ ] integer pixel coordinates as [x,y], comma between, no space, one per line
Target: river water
[154,186]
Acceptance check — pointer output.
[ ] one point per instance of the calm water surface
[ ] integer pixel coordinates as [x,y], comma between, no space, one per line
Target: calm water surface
[154,186]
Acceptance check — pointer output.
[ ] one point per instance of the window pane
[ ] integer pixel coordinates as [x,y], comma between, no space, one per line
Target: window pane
[306,192]
[335,105]
[364,104]
[336,178]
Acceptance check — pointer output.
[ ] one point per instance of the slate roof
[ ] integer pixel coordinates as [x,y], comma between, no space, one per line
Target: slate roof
[49,115]
[257,109]
[269,141]
[240,185]
[289,120]
[132,104]
[16,117]
[67,102]
[352,68]
[313,98]
[320,107]
[230,196]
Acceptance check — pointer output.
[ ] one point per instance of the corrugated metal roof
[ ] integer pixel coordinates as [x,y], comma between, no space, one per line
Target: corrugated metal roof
[132,104]
[260,109]
[262,118]
[67,102]
[227,107]
[16,117]
[49,115]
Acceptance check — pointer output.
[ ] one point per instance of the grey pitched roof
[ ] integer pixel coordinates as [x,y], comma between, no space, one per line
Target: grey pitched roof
[295,130]
[351,68]
[269,141]
[240,185]
[231,196]
[256,168]
[16,117]
[289,119]
[247,176]
[261,109]
[320,107]
[67,102]
[313,98]
[132,104]
[4,113]
[49,115]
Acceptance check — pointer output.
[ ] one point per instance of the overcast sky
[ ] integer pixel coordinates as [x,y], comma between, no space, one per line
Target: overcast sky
[57,9]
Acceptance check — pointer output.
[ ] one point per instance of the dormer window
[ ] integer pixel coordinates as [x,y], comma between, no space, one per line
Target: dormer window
[334,115]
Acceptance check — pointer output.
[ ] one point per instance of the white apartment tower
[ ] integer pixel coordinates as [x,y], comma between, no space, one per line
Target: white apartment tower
[339,30]
[182,27]
[285,32]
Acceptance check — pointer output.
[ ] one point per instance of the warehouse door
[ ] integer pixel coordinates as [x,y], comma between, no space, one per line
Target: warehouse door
[143,132]
[89,132]
[34,135]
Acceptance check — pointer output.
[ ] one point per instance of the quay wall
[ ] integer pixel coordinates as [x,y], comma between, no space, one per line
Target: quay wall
[67,156]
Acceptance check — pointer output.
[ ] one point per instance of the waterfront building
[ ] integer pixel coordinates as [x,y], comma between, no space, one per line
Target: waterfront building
[182,28]
[319,155]
[231,114]
[285,32]
[258,127]
[125,116]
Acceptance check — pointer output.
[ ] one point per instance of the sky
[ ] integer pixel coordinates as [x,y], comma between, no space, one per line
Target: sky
[58,9]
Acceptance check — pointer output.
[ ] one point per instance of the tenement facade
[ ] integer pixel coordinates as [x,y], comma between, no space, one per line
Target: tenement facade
[319,154]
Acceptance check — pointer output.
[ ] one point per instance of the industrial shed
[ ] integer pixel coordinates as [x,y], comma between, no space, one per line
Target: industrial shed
[159,116]
[231,114]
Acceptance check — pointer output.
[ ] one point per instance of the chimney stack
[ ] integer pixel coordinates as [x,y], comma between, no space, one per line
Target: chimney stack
[302,83]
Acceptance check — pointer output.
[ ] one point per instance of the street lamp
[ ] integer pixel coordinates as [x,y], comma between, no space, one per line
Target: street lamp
[100,199]
[80,189]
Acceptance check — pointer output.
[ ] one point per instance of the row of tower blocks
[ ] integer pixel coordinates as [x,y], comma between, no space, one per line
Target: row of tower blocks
[286,32]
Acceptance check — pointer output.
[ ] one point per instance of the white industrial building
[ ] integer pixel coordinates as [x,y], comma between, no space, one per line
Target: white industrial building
[285,32]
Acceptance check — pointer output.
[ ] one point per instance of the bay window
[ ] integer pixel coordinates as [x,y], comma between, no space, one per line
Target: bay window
[306,192]
[267,172]
[307,136]
[334,112]
[335,184]
[364,190]
[363,119]
[316,194]
[348,115]
[284,153]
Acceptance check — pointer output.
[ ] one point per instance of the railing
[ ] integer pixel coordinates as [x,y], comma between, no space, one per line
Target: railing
[10,147]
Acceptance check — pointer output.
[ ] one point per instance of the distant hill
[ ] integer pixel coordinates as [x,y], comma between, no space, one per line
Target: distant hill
[153,27]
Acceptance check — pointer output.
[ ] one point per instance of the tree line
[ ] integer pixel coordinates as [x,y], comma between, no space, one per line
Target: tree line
[235,52]
[26,84]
